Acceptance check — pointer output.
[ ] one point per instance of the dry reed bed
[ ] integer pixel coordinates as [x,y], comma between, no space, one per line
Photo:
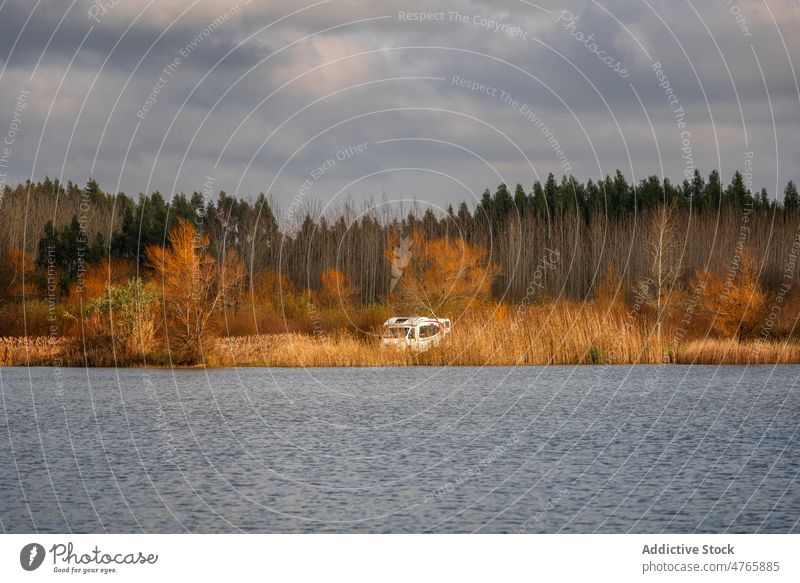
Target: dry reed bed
[37,351]
[566,335]
[561,334]
[303,350]
[730,351]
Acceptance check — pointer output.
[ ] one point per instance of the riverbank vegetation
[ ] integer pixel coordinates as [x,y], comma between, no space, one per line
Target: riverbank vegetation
[600,272]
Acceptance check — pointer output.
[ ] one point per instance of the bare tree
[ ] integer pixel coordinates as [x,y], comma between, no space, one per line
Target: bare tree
[662,245]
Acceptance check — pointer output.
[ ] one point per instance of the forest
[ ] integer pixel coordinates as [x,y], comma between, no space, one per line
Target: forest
[602,271]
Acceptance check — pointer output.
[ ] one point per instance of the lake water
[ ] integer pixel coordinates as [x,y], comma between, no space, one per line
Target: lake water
[528,449]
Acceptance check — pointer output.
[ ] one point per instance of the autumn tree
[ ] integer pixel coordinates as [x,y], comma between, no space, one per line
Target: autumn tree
[123,317]
[611,289]
[443,274]
[335,289]
[17,268]
[194,285]
[736,303]
[98,277]
[270,289]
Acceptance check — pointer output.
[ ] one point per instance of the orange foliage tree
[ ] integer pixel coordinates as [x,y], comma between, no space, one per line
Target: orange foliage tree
[335,288]
[17,269]
[100,276]
[194,287]
[272,300]
[611,289]
[735,303]
[269,286]
[443,274]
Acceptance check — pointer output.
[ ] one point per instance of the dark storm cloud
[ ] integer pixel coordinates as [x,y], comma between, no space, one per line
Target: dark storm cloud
[259,99]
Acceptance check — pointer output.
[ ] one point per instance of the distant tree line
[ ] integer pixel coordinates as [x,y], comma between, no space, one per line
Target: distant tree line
[592,227]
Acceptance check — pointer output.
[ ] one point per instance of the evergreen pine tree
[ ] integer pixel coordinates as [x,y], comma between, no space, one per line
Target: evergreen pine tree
[791,200]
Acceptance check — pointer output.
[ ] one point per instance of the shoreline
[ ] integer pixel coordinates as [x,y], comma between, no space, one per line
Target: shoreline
[257,366]
[294,350]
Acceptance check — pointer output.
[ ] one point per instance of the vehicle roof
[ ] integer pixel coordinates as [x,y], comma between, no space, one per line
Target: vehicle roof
[412,320]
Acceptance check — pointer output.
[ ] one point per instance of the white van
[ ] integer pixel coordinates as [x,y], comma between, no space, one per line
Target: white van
[414,332]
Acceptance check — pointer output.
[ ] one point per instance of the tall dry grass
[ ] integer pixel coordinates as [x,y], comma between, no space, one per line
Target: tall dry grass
[561,333]
[557,333]
[303,350]
[38,351]
[67,351]
[731,351]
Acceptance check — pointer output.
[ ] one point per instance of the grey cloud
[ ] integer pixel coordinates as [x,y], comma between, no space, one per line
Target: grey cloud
[220,84]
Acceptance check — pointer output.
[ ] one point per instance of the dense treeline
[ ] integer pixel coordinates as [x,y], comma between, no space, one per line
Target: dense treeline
[593,226]
[633,272]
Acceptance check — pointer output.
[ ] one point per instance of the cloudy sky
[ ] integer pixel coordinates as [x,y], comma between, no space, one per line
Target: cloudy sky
[371,100]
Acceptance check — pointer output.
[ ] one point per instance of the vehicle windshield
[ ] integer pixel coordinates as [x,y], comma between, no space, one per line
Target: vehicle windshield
[396,331]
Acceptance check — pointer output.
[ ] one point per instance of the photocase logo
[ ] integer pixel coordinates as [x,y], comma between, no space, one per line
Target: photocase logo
[31,556]
[401,257]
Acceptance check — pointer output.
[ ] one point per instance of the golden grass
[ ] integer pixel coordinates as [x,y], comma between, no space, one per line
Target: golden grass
[65,351]
[302,350]
[559,333]
[731,351]
[37,351]
[562,333]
